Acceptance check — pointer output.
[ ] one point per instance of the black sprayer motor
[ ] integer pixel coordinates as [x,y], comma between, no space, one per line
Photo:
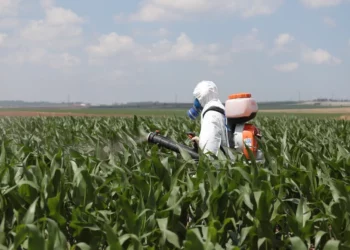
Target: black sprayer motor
[165,142]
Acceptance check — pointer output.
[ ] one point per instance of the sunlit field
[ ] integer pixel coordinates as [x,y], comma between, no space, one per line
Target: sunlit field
[95,183]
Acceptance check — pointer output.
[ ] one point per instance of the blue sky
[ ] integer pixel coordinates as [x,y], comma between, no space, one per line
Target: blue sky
[153,50]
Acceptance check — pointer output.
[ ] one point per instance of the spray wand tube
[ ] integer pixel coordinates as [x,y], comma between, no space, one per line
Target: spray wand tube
[165,142]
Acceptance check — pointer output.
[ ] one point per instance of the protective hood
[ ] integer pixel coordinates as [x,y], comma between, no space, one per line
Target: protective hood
[206,91]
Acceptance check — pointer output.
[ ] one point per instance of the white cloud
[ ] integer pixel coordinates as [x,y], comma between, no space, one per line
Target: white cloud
[8,23]
[151,13]
[47,3]
[321,3]
[3,36]
[43,31]
[249,42]
[330,22]
[161,32]
[319,56]
[281,42]
[61,16]
[115,76]
[60,28]
[9,7]
[63,60]
[110,45]
[257,7]
[61,36]
[287,67]
[8,14]
[169,10]
[283,39]
[183,49]
[43,42]
[26,55]
[41,56]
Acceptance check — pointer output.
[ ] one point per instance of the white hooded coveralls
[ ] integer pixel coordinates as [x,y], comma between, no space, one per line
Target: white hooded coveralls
[213,129]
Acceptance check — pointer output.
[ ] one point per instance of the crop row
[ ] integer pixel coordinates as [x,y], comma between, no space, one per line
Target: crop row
[94,183]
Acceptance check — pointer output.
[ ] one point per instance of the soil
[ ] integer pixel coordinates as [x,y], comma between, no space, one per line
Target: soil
[345,117]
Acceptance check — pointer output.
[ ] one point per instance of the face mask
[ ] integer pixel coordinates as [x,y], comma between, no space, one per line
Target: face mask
[195,110]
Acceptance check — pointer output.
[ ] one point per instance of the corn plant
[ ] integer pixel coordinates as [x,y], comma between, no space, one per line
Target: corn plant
[95,183]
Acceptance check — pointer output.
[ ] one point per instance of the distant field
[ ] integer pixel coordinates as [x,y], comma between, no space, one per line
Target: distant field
[303,105]
[301,112]
[302,115]
[277,108]
[343,112]
[92,112]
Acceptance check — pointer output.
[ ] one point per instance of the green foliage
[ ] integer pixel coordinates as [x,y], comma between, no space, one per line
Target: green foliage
[94,183]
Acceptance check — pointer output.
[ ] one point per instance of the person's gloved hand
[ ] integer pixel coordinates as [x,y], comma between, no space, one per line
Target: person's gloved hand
[195,139]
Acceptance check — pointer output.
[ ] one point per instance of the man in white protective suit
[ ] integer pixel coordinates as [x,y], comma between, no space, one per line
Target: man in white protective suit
[213,136]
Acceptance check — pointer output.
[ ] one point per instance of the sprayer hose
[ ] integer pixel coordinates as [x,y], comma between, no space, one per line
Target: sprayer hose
[169,144]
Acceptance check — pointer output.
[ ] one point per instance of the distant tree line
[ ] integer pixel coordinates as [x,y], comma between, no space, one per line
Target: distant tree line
[147,105]
[331,100]
[173,105]
[39,104]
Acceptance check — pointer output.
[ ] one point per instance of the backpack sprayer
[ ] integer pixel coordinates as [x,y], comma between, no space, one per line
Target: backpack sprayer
[239,110]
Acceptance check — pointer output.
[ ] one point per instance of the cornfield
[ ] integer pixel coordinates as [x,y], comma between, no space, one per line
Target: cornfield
[94,183]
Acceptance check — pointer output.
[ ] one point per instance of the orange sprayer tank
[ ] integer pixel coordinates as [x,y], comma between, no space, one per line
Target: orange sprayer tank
[240,108]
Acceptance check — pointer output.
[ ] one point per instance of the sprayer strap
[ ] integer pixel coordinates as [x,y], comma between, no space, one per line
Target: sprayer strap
[220,110]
